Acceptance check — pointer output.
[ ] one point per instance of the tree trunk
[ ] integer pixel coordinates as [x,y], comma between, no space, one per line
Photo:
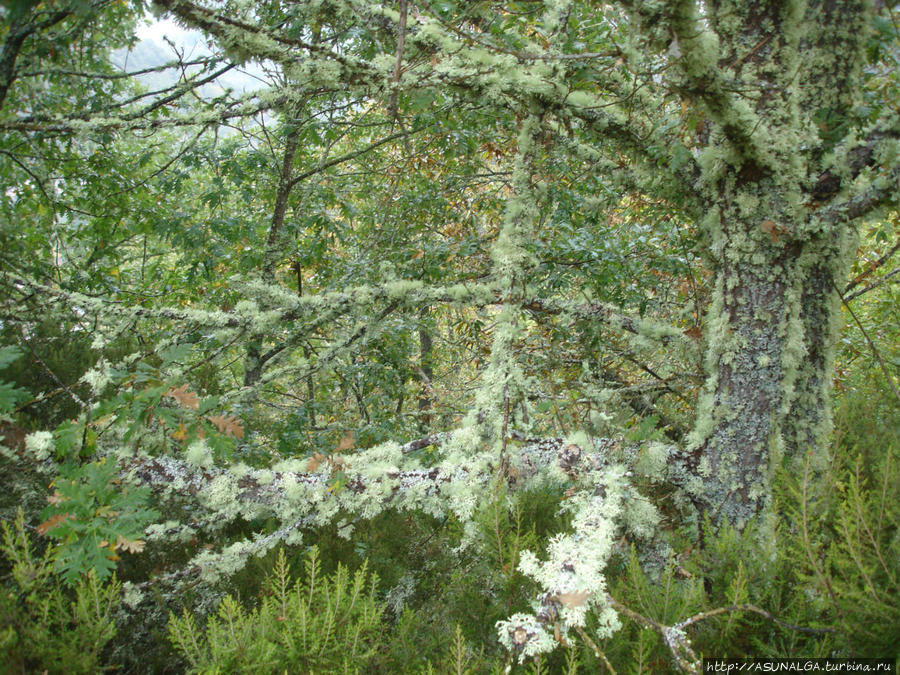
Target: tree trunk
[253,364]
[809,421]
[426,367]
[769,334]
[774,315]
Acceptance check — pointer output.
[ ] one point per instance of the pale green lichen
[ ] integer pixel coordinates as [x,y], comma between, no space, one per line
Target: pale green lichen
[199,453]
[40,444]
[652,460]
[572,575]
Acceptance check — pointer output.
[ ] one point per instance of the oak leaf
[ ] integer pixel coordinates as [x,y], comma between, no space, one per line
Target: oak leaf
[130,545]
[52,522]
[575,599]
[346,442]
[315,461]
[230,426]
[186,399]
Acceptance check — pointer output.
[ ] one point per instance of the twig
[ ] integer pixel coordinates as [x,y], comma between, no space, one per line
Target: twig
[597,650]
[756,610]
[871,268]
[872,286]
[869,342]
[398,65]
[56,379]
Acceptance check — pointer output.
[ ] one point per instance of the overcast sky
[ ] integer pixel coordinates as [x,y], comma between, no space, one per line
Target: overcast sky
[153,50]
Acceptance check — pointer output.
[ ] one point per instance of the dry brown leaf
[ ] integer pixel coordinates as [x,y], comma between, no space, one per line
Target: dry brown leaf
[774,230]
[230,426]
[693,332]
[347,442]
[557,635]
[132,546]
[185,398]
[576,599]
[52,522]
[56,498]
[315,461]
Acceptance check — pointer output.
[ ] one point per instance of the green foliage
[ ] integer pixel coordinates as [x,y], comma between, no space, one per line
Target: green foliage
[317,624]
[846,523]
[45,627]
[94,516]
[197,247]
[64,355]
[9,393]
[459,659]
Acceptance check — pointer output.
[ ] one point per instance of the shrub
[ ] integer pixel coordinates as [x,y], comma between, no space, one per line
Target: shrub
[45,627]
[315,624]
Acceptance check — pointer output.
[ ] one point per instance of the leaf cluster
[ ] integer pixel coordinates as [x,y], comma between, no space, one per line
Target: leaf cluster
[94,516]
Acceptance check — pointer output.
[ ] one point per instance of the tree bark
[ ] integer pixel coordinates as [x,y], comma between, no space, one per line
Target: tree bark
[778,257]
[426,366]
[751,361]
[253,364]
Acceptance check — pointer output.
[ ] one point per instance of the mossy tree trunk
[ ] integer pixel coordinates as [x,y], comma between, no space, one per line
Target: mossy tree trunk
[779,251]
[770,330]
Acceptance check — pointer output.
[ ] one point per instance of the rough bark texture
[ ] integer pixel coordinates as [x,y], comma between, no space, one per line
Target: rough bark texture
[772,322]
[749,364]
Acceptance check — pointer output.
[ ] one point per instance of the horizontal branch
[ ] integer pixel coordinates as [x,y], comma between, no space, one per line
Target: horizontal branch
[608,314]
[125,74]
[318,490]
[241,108]
[882,192]
[850,164]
